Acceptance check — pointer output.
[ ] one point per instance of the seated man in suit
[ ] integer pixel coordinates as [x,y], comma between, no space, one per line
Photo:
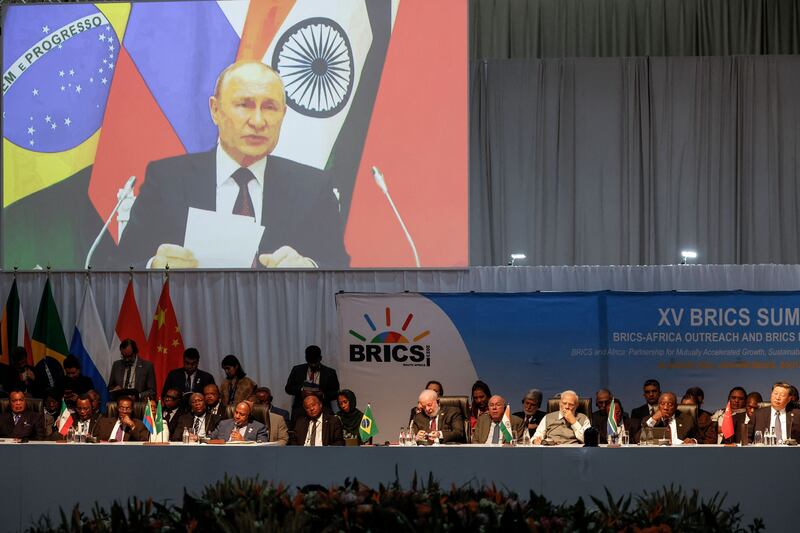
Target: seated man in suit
[564,426]
[742,421]
[681,426]
[199,421]
[239,176]
[436,424]
[131,374]
[188,378]
[317,427]
[241,428]
[19,422]
[264,397]
[85,417]
[602,400]
[531,415]
[172,408]
[490,428]
[213,403]
[778,416]
[431,385]
[652,391]
[122,428]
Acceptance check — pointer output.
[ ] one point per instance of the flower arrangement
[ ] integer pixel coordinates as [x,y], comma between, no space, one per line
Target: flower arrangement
[245,505]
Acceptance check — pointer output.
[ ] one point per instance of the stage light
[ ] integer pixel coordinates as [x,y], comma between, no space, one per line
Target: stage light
[515,256]
[687,254]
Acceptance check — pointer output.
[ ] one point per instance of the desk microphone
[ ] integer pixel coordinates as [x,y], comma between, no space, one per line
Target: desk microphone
[126,191]
[381,183]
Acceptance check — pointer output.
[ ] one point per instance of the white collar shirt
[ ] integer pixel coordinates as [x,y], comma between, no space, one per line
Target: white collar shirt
[228,189]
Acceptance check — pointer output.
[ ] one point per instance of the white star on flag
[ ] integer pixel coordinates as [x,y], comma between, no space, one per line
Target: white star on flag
[61,73]
[63,88]
[36,92]
[111,48]
[111,66]
[101,37]
[100,70]
[47,118]
[104,81]
[67,121]
[31,131]
[78,89]
[71,72]
[53,126]
[45,29]
[31,142]
[91,80]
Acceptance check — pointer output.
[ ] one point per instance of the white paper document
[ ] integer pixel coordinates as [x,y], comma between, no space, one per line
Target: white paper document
[222,240]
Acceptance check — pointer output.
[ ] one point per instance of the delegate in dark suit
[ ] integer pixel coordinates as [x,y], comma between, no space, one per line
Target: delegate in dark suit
[331,428]
[30,426]
[532,420]
[328,384]
[298,209]
[144,380]
[255,431]
[762,421]
[186,421]
[449,421]
[483,429]
[684,423]
[176,379]
[104,427]
[600,423]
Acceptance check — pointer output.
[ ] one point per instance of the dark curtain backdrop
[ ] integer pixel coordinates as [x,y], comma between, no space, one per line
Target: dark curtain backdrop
[630,160]
[626,28]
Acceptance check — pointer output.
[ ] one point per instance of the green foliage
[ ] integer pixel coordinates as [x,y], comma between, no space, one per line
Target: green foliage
[248,505]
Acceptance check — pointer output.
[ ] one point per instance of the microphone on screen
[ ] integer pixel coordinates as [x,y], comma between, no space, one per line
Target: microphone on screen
[127,191]
[381,183]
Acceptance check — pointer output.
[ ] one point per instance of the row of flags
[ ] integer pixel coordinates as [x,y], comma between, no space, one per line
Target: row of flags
[163,346]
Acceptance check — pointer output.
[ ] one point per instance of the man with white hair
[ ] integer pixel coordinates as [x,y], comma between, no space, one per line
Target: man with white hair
[436,424]
[564,426]
[489,428]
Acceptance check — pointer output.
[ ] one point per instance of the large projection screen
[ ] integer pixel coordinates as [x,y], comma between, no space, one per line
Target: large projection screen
[337,136]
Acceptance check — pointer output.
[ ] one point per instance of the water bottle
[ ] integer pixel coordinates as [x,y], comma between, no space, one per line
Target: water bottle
[186,435]
[402,440]
[526,437]
[71,434]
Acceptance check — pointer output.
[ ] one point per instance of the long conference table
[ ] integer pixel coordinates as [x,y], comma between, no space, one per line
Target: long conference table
[41,477]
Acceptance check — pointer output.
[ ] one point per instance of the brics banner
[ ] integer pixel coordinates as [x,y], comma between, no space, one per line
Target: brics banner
[392,344]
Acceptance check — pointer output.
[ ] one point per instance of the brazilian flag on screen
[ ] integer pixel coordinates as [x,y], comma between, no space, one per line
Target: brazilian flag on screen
[368,428]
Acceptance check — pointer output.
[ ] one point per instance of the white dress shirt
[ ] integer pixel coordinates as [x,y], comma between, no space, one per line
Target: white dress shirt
[673,428]
[228,189]
[318,439]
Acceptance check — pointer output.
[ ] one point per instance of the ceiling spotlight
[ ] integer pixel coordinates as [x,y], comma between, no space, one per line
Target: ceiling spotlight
[687,254]
[514,257]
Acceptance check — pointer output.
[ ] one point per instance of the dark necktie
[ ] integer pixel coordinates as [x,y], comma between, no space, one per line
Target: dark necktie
[16,419]
[312,440]
[778,429]
[496,434]
[128,379]
[196,425]
[188,386]
[120,434]
[667,424]
[244,204]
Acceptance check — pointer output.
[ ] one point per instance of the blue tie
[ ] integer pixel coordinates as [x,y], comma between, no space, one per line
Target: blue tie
[496,434]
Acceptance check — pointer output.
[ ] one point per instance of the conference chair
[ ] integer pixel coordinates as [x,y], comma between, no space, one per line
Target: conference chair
[462,404]
[584,406]
[34,404]
[137,411]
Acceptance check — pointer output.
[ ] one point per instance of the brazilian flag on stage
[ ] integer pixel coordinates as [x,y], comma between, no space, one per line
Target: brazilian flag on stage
[368,428]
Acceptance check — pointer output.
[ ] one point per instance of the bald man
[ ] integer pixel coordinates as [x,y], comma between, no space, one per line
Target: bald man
[565,426]
[435,424]
[489,428]
[294,202]
[240,428]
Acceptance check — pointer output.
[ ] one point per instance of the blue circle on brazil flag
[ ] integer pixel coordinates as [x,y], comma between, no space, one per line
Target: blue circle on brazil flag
[58,63]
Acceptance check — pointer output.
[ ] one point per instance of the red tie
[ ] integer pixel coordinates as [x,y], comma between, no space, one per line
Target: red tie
[244,204]
[433,424]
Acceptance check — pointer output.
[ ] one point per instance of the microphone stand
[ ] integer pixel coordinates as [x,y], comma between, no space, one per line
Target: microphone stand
[128,191]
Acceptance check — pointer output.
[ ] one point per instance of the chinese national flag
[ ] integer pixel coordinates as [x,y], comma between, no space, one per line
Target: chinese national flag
[165,341]
[727,422]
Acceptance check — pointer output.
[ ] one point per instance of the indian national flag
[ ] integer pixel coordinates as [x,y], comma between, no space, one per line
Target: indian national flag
[64,419]
[613,427]
[505,426]
[368,428]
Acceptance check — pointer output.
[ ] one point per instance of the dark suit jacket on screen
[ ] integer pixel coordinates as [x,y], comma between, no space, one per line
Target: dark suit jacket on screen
[298,209]
[30,426]
[332,433]
[449,421]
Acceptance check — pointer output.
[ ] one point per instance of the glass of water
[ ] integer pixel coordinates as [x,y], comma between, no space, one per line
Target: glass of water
[758,438]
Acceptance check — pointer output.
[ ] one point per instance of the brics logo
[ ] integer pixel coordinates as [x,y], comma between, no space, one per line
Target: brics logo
[390,345]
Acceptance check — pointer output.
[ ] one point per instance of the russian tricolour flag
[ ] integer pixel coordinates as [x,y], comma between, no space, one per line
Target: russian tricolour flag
[90,346]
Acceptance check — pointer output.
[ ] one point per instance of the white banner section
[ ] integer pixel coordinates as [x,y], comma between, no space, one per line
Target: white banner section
[391,346]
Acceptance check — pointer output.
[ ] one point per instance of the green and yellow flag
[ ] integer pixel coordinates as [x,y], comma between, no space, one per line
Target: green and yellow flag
[48,335]
[368,428]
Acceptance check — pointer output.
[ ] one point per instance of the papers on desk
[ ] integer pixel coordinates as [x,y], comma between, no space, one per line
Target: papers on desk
[222,240]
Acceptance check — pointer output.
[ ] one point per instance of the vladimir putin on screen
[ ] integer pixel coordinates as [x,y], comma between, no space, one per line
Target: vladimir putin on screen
[238,176]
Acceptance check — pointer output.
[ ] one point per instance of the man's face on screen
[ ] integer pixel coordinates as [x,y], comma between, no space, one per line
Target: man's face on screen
[249,112]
